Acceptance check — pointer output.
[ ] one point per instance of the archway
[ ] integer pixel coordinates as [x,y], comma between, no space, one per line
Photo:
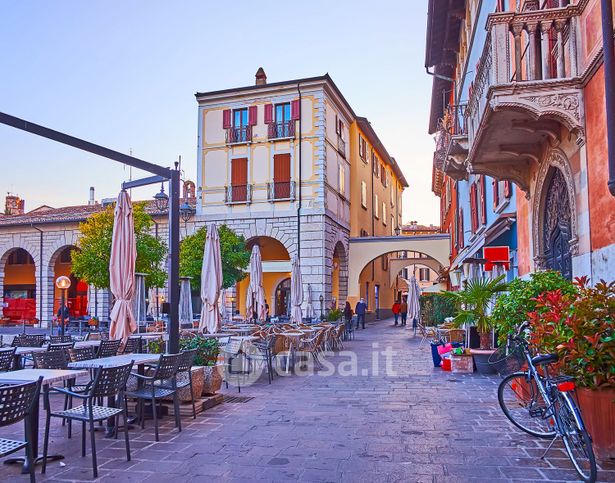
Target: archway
[77,296]
[339,276]
[276,268]
[19,290]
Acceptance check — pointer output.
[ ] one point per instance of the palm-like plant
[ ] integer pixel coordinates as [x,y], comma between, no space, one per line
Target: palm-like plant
[473,304]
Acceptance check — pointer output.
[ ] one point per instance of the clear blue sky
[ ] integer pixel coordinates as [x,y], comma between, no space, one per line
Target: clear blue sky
[124,73]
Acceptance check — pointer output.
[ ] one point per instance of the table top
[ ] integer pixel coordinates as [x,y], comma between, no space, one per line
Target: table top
[115,361]
[49,375]
[217,335]
[237,329]
[20,351]
[87,343]
[292,334]
[244,337]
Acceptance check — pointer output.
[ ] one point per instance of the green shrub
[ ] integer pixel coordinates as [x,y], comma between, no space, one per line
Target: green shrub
[207,349]
[511,308]
[334,315]
[435,308]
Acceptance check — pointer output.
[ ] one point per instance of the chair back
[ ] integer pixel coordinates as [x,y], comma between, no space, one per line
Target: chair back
[16,342]
[81,354]
[109,381]
[133,345]
[186,360]
[167,366]
[61,346]
[109,348]
[16,401]
[32,340]
[55,359]
[6,358]
[58,339]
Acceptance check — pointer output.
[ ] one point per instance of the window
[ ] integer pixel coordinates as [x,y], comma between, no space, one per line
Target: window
[495,184]
[281,177]
[507,189]
[364,233]
[341,180]
[364,194]
[282,112]
[362,148]
[424,274]
[460,229]
[384,213]
[240,117]
[376,206]
[474,207]
[66,256]
[482,199]
[339,127]
[20,257]
[385,262]
[238,124]
[375,164]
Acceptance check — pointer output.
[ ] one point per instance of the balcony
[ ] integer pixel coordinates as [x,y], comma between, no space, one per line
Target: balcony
[239,135]
[526,89]
[281,191]
[281,130]
[238,194]
[341,146]
[452,142]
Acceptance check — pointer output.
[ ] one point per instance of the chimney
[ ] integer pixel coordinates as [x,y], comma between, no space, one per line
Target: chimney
[91,201]
[14,205]
[261,77]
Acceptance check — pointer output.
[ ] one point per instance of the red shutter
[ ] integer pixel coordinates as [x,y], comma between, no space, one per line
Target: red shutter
[483,200]
[507,189]
[460,226]
[496,193]
[295,110]
[281,176]
[226,119]
[239,179]
[473,217]
[252,115]
[268,113]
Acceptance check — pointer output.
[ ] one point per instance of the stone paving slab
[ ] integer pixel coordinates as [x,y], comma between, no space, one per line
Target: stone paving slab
[418,425]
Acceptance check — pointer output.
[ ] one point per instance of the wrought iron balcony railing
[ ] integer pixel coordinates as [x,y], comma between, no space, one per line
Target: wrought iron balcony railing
[341,146]
[238,194]
[281,130]
[242,134]
[281,191]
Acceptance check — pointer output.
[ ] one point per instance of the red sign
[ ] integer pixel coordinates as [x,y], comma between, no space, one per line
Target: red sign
[496,256]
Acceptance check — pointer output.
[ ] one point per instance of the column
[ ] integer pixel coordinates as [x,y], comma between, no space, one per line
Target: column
[572,40]
[517,29]
[534,70]
[545,27]
[561,67]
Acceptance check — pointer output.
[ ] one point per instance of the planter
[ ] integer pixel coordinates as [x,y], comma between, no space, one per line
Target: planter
[481,359]
[212,379]
[462,364]
[598,408]
[198,380]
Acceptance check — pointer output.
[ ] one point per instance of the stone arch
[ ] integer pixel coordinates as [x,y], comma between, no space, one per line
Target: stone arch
[339,273]
[268,231]
[555,159]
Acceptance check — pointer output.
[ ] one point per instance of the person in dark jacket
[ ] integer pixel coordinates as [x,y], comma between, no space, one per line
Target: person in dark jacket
[360,310]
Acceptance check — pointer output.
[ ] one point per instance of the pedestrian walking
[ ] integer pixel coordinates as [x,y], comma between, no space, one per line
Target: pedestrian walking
[360,310]
[396,311]
[403,307]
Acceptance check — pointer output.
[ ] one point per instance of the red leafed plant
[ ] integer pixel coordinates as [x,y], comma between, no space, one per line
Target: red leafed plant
[580,327]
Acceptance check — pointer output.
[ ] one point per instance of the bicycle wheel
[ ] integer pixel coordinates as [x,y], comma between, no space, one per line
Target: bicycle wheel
[576,438]
[523,404]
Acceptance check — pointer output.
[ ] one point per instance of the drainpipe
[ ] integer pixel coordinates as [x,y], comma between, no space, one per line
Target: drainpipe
[609,82]
[299,181]
[40,274]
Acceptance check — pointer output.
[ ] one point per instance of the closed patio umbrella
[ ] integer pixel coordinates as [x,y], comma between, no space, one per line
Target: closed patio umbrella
[122,269]
[309,307]
[296,292]
[211,282]
[255,298]
[414,306]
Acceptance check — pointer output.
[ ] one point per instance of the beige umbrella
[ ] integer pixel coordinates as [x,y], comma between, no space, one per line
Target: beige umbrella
[255,298]
[222,304]
[309,305]
[122,269]
[211,282]
[296,292]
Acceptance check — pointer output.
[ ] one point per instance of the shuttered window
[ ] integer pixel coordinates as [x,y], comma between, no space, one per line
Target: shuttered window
[482,198]
[281,176]
[473,208]
[364,194]
[496,193]
[239,179]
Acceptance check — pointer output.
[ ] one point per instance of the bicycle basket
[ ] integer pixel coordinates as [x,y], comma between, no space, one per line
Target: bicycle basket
[507,359]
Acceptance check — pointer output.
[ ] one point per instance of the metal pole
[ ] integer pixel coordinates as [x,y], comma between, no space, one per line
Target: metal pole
[609,81]
[63,297]
[173,325]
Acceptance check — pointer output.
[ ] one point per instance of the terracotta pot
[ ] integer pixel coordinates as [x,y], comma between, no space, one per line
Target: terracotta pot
[481,360]
[212,379]
[598,408]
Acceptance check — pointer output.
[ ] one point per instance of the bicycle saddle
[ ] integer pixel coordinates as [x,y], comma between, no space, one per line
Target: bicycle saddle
[544,359]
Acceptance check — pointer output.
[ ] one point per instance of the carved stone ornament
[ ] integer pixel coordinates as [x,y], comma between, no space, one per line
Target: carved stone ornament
[568,103]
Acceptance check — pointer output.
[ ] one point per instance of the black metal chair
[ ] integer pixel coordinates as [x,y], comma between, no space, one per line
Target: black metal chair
[108,382]
[16,404]
[61,347]
[6,359]
[185,369]
[81,354]
[265,354]
[109,348]
[58,339]
[52,359]
[25,340]
[133,345]
[161,384]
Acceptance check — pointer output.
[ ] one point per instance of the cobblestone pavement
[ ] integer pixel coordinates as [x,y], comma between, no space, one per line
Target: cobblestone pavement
[419,425]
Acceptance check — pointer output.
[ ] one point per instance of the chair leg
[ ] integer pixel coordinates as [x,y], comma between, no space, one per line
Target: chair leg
[30,462]
[126,433]
[83,431]
[178,419]
[154,411]
[192,395]
[45,443]
[142,412]
[93,439]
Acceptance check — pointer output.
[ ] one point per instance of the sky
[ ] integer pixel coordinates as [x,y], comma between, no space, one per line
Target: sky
[123,74]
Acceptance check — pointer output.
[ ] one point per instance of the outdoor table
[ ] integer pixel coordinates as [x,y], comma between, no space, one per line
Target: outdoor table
[238,330]
[24,351]
[87,343]
[50,376]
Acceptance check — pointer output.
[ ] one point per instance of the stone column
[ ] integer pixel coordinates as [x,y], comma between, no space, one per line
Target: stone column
[545,27]
[572,40]
[534,71]
[517,29]
[561,67]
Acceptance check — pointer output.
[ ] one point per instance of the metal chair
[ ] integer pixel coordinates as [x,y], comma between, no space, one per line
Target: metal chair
[7,356]
[16,404]
[133,345]
[185,369]
[53,359]
[155,387]
[58,339]
[60,347]
[109,348]
[265,354]
[108,382]
[29,340]
[81,354]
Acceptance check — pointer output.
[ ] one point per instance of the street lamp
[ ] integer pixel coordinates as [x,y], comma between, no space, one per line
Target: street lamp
[397,230]
[63,283]
[322,302]
[161,199]
[186,211]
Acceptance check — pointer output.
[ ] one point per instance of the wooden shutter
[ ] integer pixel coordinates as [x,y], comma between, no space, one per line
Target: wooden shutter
[496,193]
[473,214]
[295,110]
[281,176]
[483,200]
[252,115]
[460,226]
[239,179]
[337,125]
[507,189]
[226,119]
[268,113]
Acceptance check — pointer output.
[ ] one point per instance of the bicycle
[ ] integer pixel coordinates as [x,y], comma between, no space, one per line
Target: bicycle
[540,404]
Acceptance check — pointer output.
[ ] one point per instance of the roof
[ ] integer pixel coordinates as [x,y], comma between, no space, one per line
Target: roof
[416,227]
[374,140]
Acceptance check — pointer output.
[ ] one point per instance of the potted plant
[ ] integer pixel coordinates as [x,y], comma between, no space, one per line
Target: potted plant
[580,327]
[208,350]
[473,309]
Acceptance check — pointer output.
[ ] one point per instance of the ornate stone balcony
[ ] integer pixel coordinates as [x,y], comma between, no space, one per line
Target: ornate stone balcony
[526,91]
[452,143]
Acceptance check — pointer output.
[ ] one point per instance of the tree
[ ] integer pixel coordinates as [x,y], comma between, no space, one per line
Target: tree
[235,256]
[91,260]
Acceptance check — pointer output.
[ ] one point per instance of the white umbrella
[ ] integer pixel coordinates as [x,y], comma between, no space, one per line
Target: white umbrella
[185,303]
[122,269]
[309,307]
[255,298]
[211,282]
[296,291]
[414,306]
[90,297]
[222,304]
